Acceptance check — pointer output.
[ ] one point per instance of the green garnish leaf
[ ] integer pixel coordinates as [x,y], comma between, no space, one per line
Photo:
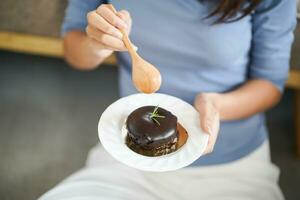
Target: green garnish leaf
[159,116]
[154,115]
[156,121]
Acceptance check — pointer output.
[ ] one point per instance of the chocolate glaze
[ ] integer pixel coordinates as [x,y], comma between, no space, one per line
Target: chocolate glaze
[146,133]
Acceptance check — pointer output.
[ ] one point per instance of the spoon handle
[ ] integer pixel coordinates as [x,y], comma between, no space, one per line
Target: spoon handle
[125,38]
[128,43]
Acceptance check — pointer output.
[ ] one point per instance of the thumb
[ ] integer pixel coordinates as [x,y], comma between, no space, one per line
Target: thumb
[204,123]
[207,129]
[210,125]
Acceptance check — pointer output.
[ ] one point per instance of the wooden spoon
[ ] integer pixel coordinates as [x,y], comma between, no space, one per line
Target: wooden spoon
[145,76]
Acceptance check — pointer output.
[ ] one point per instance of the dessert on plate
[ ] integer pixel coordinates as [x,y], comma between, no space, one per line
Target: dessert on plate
[154,131]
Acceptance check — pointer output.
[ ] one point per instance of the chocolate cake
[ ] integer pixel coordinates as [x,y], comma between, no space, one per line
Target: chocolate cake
[152,131]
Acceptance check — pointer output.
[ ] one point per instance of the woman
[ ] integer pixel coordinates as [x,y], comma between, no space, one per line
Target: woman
[230,58]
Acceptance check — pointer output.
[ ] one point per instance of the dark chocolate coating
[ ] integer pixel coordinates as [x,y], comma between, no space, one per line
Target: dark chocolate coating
[147,133]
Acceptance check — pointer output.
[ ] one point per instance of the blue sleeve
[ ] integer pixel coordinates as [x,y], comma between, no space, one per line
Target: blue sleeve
[273,24]
[75,14]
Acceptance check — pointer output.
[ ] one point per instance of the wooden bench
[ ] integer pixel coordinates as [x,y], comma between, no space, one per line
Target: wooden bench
[48,46]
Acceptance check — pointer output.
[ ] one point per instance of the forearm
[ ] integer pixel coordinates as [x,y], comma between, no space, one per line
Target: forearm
[82,52]
[253,97]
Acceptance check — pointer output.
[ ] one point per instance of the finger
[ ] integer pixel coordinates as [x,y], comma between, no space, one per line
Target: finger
[111,17]
[211,123]
[208,115]
[204,123]
[106,40]
[94,35]
[100,23]
[206,119]
[210,145]
[125,15]
[99,45]
[209,149]
[113,42]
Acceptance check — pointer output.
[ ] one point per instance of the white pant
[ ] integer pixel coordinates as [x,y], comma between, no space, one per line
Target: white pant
[252,177]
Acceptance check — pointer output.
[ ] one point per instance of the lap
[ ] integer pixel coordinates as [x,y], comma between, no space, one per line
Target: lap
[252,177]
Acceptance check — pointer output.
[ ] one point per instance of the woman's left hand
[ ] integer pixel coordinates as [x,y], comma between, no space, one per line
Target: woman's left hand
[205,103]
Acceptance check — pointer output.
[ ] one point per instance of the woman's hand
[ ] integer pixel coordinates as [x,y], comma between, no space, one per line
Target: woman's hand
[85,51]
[209,117]
[103,28]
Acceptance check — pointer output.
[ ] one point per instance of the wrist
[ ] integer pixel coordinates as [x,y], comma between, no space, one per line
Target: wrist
[217,100]
[208,98]
[223,102]
[211,97]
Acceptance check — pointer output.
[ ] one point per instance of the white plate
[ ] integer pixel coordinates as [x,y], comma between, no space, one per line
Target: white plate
[113,118]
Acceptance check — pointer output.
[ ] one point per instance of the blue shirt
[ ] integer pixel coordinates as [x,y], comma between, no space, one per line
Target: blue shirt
[195,56]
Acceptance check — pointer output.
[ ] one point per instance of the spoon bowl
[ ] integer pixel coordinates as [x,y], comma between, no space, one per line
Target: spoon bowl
[145,76]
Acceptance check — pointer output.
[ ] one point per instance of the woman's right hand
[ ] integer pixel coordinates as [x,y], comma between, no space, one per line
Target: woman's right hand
[103,28]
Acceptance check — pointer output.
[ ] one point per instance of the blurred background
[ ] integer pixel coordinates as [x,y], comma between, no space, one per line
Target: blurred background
[49,112]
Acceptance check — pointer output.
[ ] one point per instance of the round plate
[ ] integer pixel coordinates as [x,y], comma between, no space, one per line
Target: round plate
[113,118]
